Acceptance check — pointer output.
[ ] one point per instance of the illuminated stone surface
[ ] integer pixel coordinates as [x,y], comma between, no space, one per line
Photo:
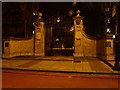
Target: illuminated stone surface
[39,38]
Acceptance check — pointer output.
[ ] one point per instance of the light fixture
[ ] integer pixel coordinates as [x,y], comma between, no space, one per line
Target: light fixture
[33,24]
[57,39]
[73,47]
[34,14]
[72,29]
[58,19]
[113,36]
[108,30]
[33,32]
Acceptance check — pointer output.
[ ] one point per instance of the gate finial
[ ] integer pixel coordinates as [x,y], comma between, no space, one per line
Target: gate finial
[78,12]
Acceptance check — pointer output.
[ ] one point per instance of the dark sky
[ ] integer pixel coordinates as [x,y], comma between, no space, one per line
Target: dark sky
[93,12]
[87,8]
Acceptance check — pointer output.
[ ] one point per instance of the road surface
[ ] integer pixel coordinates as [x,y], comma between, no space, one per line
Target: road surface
[30,79]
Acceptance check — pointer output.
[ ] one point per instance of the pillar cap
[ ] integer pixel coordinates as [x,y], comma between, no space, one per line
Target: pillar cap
[78,15]
[78,12]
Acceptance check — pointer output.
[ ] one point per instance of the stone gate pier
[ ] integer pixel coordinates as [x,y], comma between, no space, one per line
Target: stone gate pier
[78,38]
[39,37]
[85,45]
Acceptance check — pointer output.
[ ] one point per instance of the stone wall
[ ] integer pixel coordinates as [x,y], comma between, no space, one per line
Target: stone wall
[105,49]
[89,45]
[101,48]
[109,50]
[18,47]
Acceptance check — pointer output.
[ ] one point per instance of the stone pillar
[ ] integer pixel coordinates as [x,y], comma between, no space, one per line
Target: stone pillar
[39,37]
[78,38]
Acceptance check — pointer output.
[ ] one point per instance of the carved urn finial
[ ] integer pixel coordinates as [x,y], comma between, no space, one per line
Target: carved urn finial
[78,12]
[39,19]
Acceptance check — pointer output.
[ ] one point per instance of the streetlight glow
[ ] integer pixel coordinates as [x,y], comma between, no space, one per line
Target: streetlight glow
[72,29]
[57,39]
[33,32]
[113,36]
[33,24]
[58,19]
[34,14]
[108,30]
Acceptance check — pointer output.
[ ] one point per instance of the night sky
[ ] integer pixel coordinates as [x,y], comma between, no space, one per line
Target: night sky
[93,13]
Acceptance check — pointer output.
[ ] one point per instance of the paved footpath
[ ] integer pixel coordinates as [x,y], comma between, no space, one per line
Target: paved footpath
[58,64]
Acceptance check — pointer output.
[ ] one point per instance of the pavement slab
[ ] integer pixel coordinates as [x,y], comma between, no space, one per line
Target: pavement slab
[42,65]
[89,65]
[13,63]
